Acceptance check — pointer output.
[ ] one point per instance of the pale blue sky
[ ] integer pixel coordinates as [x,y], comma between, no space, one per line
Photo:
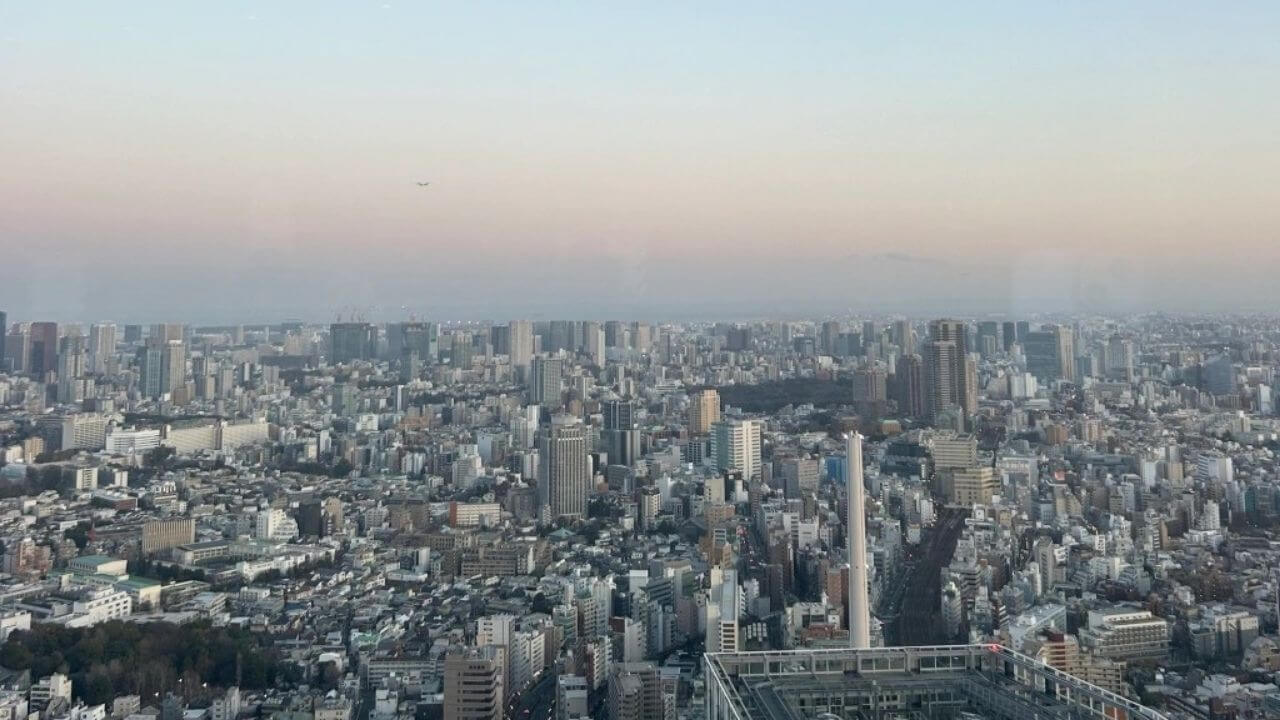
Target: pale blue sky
[241,160]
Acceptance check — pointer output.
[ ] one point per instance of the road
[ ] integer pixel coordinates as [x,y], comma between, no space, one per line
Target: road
[920,619]
[536,703]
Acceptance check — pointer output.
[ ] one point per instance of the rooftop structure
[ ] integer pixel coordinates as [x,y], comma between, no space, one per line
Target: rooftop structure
[892,682]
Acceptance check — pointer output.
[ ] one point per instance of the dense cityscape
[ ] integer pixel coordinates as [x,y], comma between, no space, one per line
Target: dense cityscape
[627,519]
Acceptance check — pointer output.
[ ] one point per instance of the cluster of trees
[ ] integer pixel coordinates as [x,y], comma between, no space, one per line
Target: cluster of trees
[119,658]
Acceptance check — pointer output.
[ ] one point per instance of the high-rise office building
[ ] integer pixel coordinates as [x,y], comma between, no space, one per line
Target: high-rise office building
[988,338]
[635,692]
[904,337]
[735,445]
[593,342]
[621,433]
[869,389]
[44,349]
[564,472]
[704,411]
[945,367]
[520,339]
[973,486]
[544,381]
[1119,358]
[908,379]
[167,332]
[1009,334]
[102,346]
[422,337]
[859,602]
[1050,353]
[472,682]
[150,374]
[829,335]
[71,368]
[133,333]
[462,351]
[352,341]
[4,331]
[173,369]
[940,372]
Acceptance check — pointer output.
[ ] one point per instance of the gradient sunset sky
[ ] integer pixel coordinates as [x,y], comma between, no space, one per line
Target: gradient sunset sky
[234,161]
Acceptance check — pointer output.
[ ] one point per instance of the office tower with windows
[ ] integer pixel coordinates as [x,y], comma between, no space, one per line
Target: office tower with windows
[102,346]
[564,472]
[621,434]
[940,372]
[472,682]
[520,340]
[544,381]
[908,380]
[945,366]
[704,411]
[173,372]
[71,368]
[150,374]
[462,351]
[904,337]
[1050,353]
[352,341]
[735,445]
[1008,334]
[44,349]
[421,337]
[859,604]
[988,338]
[1119,358]
[4,331]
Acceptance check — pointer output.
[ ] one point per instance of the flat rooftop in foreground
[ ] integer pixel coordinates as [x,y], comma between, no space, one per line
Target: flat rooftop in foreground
[904,683]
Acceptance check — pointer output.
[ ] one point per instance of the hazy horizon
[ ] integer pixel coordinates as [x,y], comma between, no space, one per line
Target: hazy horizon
[247,162]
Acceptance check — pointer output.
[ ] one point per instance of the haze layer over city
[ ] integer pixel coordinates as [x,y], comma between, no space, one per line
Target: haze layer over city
[702,361]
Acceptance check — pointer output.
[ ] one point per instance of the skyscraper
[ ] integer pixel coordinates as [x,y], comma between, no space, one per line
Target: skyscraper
[102,346]
[940,372]
[903,336]
[1119,358]
[988,338]
[164,332]
[71,367]
[352,341]
[948,379]
[1009,333]
[150,375]
[520,337]
[908,380]
[4,331]
[1050,353]
[735,445]
[704,411]
[859,604]
[621,434]
[564,473]
[419,336]
[173,372]
[544,381]
[462,350]
[44,349]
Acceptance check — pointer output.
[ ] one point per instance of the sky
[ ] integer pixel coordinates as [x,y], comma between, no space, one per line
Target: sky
[243,161]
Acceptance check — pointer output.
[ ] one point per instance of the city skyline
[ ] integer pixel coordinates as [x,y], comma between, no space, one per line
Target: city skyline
[676,161]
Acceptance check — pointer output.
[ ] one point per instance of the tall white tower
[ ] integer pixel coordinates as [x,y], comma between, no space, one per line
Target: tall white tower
[859,609]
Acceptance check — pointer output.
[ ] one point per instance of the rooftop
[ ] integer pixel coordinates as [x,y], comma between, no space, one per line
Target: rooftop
[886,682]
